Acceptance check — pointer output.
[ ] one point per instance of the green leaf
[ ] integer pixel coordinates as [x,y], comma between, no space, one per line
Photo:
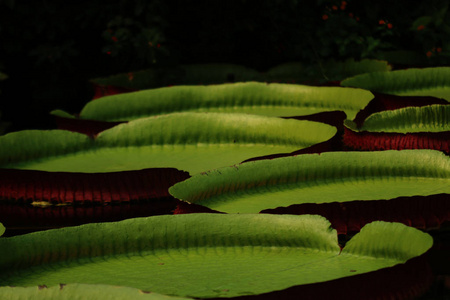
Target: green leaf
[35,145]
[431,118]
[313,178]
[250,97]
[2,229]
[371,242]
[205,255]
[192,142]
[411,82]
[80,291]
[61,113]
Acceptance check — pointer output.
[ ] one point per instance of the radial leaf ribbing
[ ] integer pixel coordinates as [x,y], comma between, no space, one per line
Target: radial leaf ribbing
[431,118]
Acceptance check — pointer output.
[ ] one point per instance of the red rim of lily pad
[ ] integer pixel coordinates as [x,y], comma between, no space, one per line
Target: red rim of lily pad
[369,141]
[25,218]
[33,200]
[86,188]
[422,212]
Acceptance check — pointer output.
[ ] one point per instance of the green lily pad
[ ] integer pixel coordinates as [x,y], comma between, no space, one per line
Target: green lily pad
[80,292]
[250,97]
[205,255]
[410,82]
[313,178]
[192,142]
[431,118]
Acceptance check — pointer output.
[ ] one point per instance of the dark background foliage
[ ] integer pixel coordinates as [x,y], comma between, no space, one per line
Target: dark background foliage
[50,49]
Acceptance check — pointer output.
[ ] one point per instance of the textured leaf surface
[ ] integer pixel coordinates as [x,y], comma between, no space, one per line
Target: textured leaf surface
[312,178]
[80,292]
[205,255]
[192,142]
[250,97]
[431,118]
[411,82]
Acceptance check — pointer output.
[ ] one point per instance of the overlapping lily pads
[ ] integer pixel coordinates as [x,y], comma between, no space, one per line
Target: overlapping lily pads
[137,161]
[426,127]
[192,142]
[208,255]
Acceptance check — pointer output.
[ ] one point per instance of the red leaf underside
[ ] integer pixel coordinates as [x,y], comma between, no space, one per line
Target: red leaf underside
[25,218]
[370,141]
[24,186]
[423,212]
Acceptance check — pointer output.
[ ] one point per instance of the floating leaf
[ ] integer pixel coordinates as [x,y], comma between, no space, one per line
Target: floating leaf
[250,97]
[312,178]
[81,292]
[411,82]
[205,255]
[192,142]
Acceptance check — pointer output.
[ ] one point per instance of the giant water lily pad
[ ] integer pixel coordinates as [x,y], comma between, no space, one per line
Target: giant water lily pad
[132,164]
[410,82]
[205,255]
[249,97]
[192,142]
[313,178]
